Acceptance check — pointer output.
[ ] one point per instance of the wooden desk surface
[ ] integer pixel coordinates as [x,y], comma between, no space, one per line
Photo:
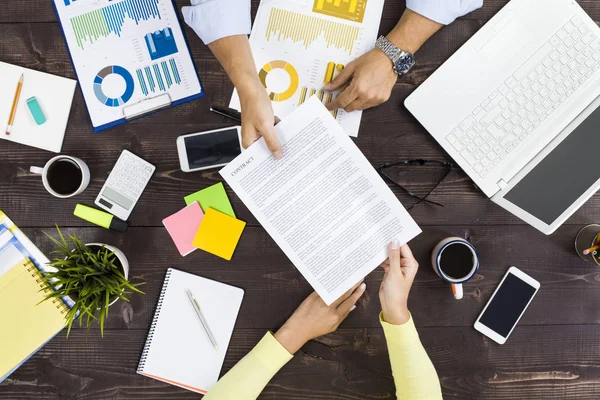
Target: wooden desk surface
[553,354]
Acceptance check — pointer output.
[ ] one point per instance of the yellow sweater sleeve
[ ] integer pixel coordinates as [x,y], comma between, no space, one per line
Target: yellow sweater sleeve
[249,377]
[414,374]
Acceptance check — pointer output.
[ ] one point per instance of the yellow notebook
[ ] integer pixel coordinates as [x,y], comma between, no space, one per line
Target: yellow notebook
[25,325]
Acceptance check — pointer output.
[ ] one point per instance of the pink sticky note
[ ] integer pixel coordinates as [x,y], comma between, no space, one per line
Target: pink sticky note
[183,225]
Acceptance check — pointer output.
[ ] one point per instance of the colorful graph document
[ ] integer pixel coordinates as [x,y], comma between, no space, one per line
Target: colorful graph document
[130,56]
[299,46]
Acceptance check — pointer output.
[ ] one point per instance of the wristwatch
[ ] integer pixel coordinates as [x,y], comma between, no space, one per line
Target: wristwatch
[402,61]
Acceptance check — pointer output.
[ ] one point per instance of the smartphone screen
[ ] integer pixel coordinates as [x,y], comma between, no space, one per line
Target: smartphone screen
[506,307]
[212,149]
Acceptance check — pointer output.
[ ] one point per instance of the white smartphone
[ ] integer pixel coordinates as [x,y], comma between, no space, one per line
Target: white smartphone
[210,149]
[507,304]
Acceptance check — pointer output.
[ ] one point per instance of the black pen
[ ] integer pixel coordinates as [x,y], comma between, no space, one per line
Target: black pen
[230,113]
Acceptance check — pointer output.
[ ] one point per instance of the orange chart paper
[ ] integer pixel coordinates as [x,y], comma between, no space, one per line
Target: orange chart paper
[351,10]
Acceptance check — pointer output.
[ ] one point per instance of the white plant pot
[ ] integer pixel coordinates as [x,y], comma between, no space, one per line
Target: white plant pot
[122,259]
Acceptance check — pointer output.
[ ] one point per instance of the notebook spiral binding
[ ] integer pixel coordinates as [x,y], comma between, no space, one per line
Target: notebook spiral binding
[62,307]
[161,298]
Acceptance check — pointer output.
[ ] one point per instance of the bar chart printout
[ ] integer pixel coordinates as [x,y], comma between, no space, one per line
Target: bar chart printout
[69,2]
[299,46]
[158,77]
[307,29]
[130,57]
[109,20]
[331,72]
[351,10]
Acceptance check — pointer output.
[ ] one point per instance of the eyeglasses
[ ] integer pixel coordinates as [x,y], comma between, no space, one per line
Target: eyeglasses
[417,162]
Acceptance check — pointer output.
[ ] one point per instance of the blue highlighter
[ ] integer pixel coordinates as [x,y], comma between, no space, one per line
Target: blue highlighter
[36,110]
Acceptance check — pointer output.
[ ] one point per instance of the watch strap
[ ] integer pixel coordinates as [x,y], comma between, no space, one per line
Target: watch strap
[392,51]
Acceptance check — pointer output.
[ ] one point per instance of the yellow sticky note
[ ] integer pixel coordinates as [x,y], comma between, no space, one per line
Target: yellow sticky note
[219,233]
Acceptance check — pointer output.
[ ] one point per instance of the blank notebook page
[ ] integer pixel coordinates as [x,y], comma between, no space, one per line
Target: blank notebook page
[177,350]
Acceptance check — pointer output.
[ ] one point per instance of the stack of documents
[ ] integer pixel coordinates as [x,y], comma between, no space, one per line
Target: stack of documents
[27,324]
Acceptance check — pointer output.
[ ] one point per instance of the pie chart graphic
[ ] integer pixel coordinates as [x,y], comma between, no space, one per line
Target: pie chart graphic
[291,71]
[112,101]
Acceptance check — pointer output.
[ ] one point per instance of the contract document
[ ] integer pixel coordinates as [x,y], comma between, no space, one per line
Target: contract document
[323,203]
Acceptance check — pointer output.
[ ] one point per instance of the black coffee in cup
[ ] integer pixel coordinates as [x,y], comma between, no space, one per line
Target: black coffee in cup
[64,176]
[457,261]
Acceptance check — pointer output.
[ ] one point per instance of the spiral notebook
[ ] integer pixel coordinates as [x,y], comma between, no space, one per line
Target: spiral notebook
[26,325]
[15,288]
[177,350]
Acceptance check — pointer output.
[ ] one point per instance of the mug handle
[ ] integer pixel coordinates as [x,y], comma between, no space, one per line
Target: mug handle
[36,170]
[457,290]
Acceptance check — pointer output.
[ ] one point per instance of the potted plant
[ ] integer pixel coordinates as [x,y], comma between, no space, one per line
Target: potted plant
[93,275]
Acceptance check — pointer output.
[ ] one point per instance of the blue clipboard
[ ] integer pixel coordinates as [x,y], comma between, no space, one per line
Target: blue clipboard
[152,110]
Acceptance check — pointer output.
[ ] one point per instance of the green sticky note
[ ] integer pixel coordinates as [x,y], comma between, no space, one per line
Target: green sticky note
[212,197]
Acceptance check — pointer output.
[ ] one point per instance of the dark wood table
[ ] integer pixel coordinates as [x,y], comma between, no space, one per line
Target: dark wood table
[553,354]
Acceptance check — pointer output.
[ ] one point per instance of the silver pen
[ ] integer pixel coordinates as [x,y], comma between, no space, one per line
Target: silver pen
[196,306]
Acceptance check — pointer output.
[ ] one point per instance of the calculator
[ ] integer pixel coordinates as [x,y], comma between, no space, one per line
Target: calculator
[125,185]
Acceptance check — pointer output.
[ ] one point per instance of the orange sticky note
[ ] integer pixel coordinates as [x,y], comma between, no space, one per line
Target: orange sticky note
[219,233]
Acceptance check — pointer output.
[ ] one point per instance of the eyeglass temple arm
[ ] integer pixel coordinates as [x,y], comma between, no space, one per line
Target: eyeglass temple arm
[421,199]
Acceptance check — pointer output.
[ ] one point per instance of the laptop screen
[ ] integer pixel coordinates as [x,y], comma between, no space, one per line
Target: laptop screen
[563,175]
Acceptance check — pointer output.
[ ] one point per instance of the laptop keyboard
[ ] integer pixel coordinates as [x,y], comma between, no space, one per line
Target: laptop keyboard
[533,93]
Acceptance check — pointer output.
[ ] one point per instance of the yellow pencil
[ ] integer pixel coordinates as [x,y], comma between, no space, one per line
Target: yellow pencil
[13,112]
[590,250]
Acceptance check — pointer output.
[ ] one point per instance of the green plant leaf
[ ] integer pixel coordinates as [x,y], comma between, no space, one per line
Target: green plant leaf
[92,277]
[101,322]
[71,317]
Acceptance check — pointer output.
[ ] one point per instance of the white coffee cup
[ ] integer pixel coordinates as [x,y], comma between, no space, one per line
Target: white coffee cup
[78,187]
[468,270]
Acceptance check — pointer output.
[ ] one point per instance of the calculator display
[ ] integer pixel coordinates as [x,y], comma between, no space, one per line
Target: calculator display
[117,198]
[212,149]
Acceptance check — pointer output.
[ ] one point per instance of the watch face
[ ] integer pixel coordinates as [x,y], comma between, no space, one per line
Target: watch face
[405,63]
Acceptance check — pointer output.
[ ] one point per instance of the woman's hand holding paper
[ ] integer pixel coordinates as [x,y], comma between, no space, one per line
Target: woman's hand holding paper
[314,318]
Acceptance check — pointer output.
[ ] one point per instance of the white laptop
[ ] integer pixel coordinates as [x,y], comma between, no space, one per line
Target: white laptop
[517,109]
